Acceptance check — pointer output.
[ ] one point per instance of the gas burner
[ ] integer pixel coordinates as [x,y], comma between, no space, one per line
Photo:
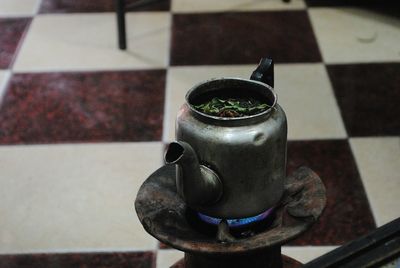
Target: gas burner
[164,215]
[235,223]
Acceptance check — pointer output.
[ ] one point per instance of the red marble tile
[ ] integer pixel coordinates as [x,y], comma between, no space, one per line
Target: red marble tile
[347,215]
[242,38]
[83,107]
[68,6]
[79,260]
[11,31]
[368,96]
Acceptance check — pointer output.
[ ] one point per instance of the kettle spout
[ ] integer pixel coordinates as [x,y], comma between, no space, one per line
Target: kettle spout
[197,184]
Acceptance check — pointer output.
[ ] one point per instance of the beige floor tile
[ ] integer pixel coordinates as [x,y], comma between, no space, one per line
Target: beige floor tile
[168,257]
[306,254]
[4,77]
[305,93]
[234,5]
[57,198]
[355,35]
[378,160]
[18,7]
[89,42]
[303,90]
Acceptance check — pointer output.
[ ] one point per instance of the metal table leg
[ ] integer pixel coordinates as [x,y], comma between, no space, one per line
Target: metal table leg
[120,7]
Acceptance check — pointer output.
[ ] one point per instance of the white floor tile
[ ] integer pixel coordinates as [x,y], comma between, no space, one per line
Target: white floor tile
[89,42]
[18,7]
[306,254]
[234,5]
[56,198]
[378,161]
[303,90]
[168,257]
[354,35]
[305,93]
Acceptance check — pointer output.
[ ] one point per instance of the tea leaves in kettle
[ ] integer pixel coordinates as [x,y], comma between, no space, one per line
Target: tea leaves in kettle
[232,107]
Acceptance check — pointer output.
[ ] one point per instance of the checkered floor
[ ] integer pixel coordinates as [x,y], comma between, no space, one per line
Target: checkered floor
[82,124]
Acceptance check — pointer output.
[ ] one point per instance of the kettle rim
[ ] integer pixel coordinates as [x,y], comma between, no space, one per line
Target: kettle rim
[199,86]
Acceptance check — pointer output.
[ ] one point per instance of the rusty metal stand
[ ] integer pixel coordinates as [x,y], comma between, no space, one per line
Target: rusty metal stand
[164,215]
[282,261]
[264,258]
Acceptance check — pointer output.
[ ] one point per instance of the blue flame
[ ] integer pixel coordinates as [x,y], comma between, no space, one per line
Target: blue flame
[236,222]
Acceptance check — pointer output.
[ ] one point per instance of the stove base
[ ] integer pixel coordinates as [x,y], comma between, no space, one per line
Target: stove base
[165,216]
[287,262]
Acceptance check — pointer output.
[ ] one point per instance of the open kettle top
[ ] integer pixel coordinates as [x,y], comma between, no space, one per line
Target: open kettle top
[259,87]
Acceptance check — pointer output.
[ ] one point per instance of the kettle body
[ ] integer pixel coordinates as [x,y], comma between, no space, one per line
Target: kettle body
[231,167]
[248,154]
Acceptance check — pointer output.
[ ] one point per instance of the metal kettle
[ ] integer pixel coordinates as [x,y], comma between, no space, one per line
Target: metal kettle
[231,167]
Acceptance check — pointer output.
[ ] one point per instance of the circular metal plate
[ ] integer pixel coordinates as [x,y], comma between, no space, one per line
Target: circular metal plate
[163,214]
